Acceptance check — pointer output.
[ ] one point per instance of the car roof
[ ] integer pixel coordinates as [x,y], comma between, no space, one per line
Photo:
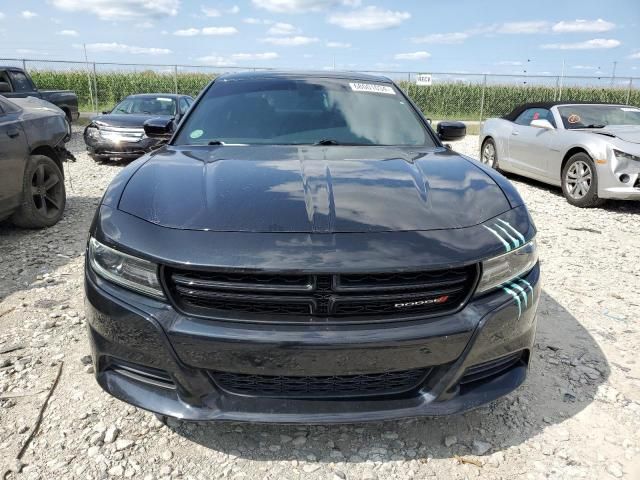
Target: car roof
[273,74]
[515,113]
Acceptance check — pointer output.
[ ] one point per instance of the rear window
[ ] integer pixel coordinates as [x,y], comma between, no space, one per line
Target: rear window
[303,111]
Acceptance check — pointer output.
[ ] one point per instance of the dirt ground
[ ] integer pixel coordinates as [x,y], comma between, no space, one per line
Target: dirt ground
[577,416]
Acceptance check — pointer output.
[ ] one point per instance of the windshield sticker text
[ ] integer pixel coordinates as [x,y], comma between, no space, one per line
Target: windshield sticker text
[372,88]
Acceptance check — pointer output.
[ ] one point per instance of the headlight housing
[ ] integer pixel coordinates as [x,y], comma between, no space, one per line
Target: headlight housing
[620,155]
[504,268]
[93,131]
[125,270]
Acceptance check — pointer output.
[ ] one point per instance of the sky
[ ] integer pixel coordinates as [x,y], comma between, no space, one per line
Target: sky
[501,36]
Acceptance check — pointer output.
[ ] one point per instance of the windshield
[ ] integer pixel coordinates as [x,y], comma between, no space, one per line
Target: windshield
[598,116]
[304,111]
[146,106]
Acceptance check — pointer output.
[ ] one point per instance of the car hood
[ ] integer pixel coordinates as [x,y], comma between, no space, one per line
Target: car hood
[123,120]
[311,189]
[626,133]
[37,106]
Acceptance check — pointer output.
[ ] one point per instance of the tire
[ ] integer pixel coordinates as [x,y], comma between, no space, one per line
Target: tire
[580,181]
[488,158]
[43,194]
[163,419]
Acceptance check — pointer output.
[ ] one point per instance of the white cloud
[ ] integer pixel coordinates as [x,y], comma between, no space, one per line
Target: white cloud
[233,10]
[219,61]
[120,9]
[635,56]
[122,48]
[510,63]
[28,14]
[524,27]
[579,25]
[254,56]
[586,45]
[2,15]
[368,18]
[68,33]
[187,32]
[412,56]
[338,45]
[301,6]
[146,24]
[210,12]
[294,41]
[454,37]
[282,29]
[584,67]
[219,31]
[257,21]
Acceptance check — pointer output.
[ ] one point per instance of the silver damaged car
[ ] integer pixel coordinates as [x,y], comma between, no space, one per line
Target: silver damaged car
[591,150]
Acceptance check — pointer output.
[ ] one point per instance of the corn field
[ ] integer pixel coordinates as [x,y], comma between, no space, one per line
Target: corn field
[480,97]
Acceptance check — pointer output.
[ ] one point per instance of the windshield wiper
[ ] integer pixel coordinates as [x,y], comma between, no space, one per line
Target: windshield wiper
[215,142]
[595,125]
[327,141]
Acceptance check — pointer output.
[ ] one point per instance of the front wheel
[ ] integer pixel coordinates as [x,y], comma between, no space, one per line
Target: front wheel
[43,194]
[580,181]
[489,153]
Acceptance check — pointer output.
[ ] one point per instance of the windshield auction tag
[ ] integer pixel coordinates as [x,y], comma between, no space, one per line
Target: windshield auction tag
[372,88]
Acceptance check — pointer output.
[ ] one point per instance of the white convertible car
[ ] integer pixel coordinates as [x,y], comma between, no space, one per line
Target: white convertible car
[591,150]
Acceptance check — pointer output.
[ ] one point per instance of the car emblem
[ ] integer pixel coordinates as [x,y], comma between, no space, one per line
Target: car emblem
[426,301]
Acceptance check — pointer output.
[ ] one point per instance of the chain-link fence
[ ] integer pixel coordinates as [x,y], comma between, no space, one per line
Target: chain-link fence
[462,96]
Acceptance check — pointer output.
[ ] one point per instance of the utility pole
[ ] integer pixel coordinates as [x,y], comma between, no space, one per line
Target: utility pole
[94,107]
[613,73]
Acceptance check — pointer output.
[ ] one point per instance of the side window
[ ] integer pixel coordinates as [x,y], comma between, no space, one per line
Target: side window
[21,82]
[526,117]
[4,77]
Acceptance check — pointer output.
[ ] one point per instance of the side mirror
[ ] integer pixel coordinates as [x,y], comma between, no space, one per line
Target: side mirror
[159,127]
[541,123]
[5,87]
[451,131]
[106,112]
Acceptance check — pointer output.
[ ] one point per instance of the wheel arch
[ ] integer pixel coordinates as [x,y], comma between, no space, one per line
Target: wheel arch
[48,151]
[570,153]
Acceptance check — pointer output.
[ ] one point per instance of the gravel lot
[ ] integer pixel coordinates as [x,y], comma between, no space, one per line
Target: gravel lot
[577,416]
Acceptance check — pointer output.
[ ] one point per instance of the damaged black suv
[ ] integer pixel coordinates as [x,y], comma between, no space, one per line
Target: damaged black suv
[305,249]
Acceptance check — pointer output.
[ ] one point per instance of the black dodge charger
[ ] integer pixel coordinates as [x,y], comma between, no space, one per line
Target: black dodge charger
[306,249]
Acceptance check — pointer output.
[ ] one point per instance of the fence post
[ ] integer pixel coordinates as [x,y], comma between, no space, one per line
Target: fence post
[629,90]
[484,88]
[24,64]
[555,90]
[175,78]
[95,86]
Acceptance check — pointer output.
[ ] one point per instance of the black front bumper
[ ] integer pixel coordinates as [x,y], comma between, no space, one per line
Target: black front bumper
[104,149]
[148,354]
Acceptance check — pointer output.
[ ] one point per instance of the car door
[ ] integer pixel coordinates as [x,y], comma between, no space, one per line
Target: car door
[529,147]
[13,156]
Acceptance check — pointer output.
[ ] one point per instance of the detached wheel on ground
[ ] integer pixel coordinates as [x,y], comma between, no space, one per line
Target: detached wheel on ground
[43,192]
[489,153]
[580,181]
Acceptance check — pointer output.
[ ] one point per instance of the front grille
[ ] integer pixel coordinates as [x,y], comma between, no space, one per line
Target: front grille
[122,134]
[254,296]
[337,386]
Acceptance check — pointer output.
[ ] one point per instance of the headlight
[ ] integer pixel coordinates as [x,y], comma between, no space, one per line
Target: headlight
[130,272]
[499,270]
[93,132]
[625,156]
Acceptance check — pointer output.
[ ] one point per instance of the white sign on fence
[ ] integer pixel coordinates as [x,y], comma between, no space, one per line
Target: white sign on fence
[423,79]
